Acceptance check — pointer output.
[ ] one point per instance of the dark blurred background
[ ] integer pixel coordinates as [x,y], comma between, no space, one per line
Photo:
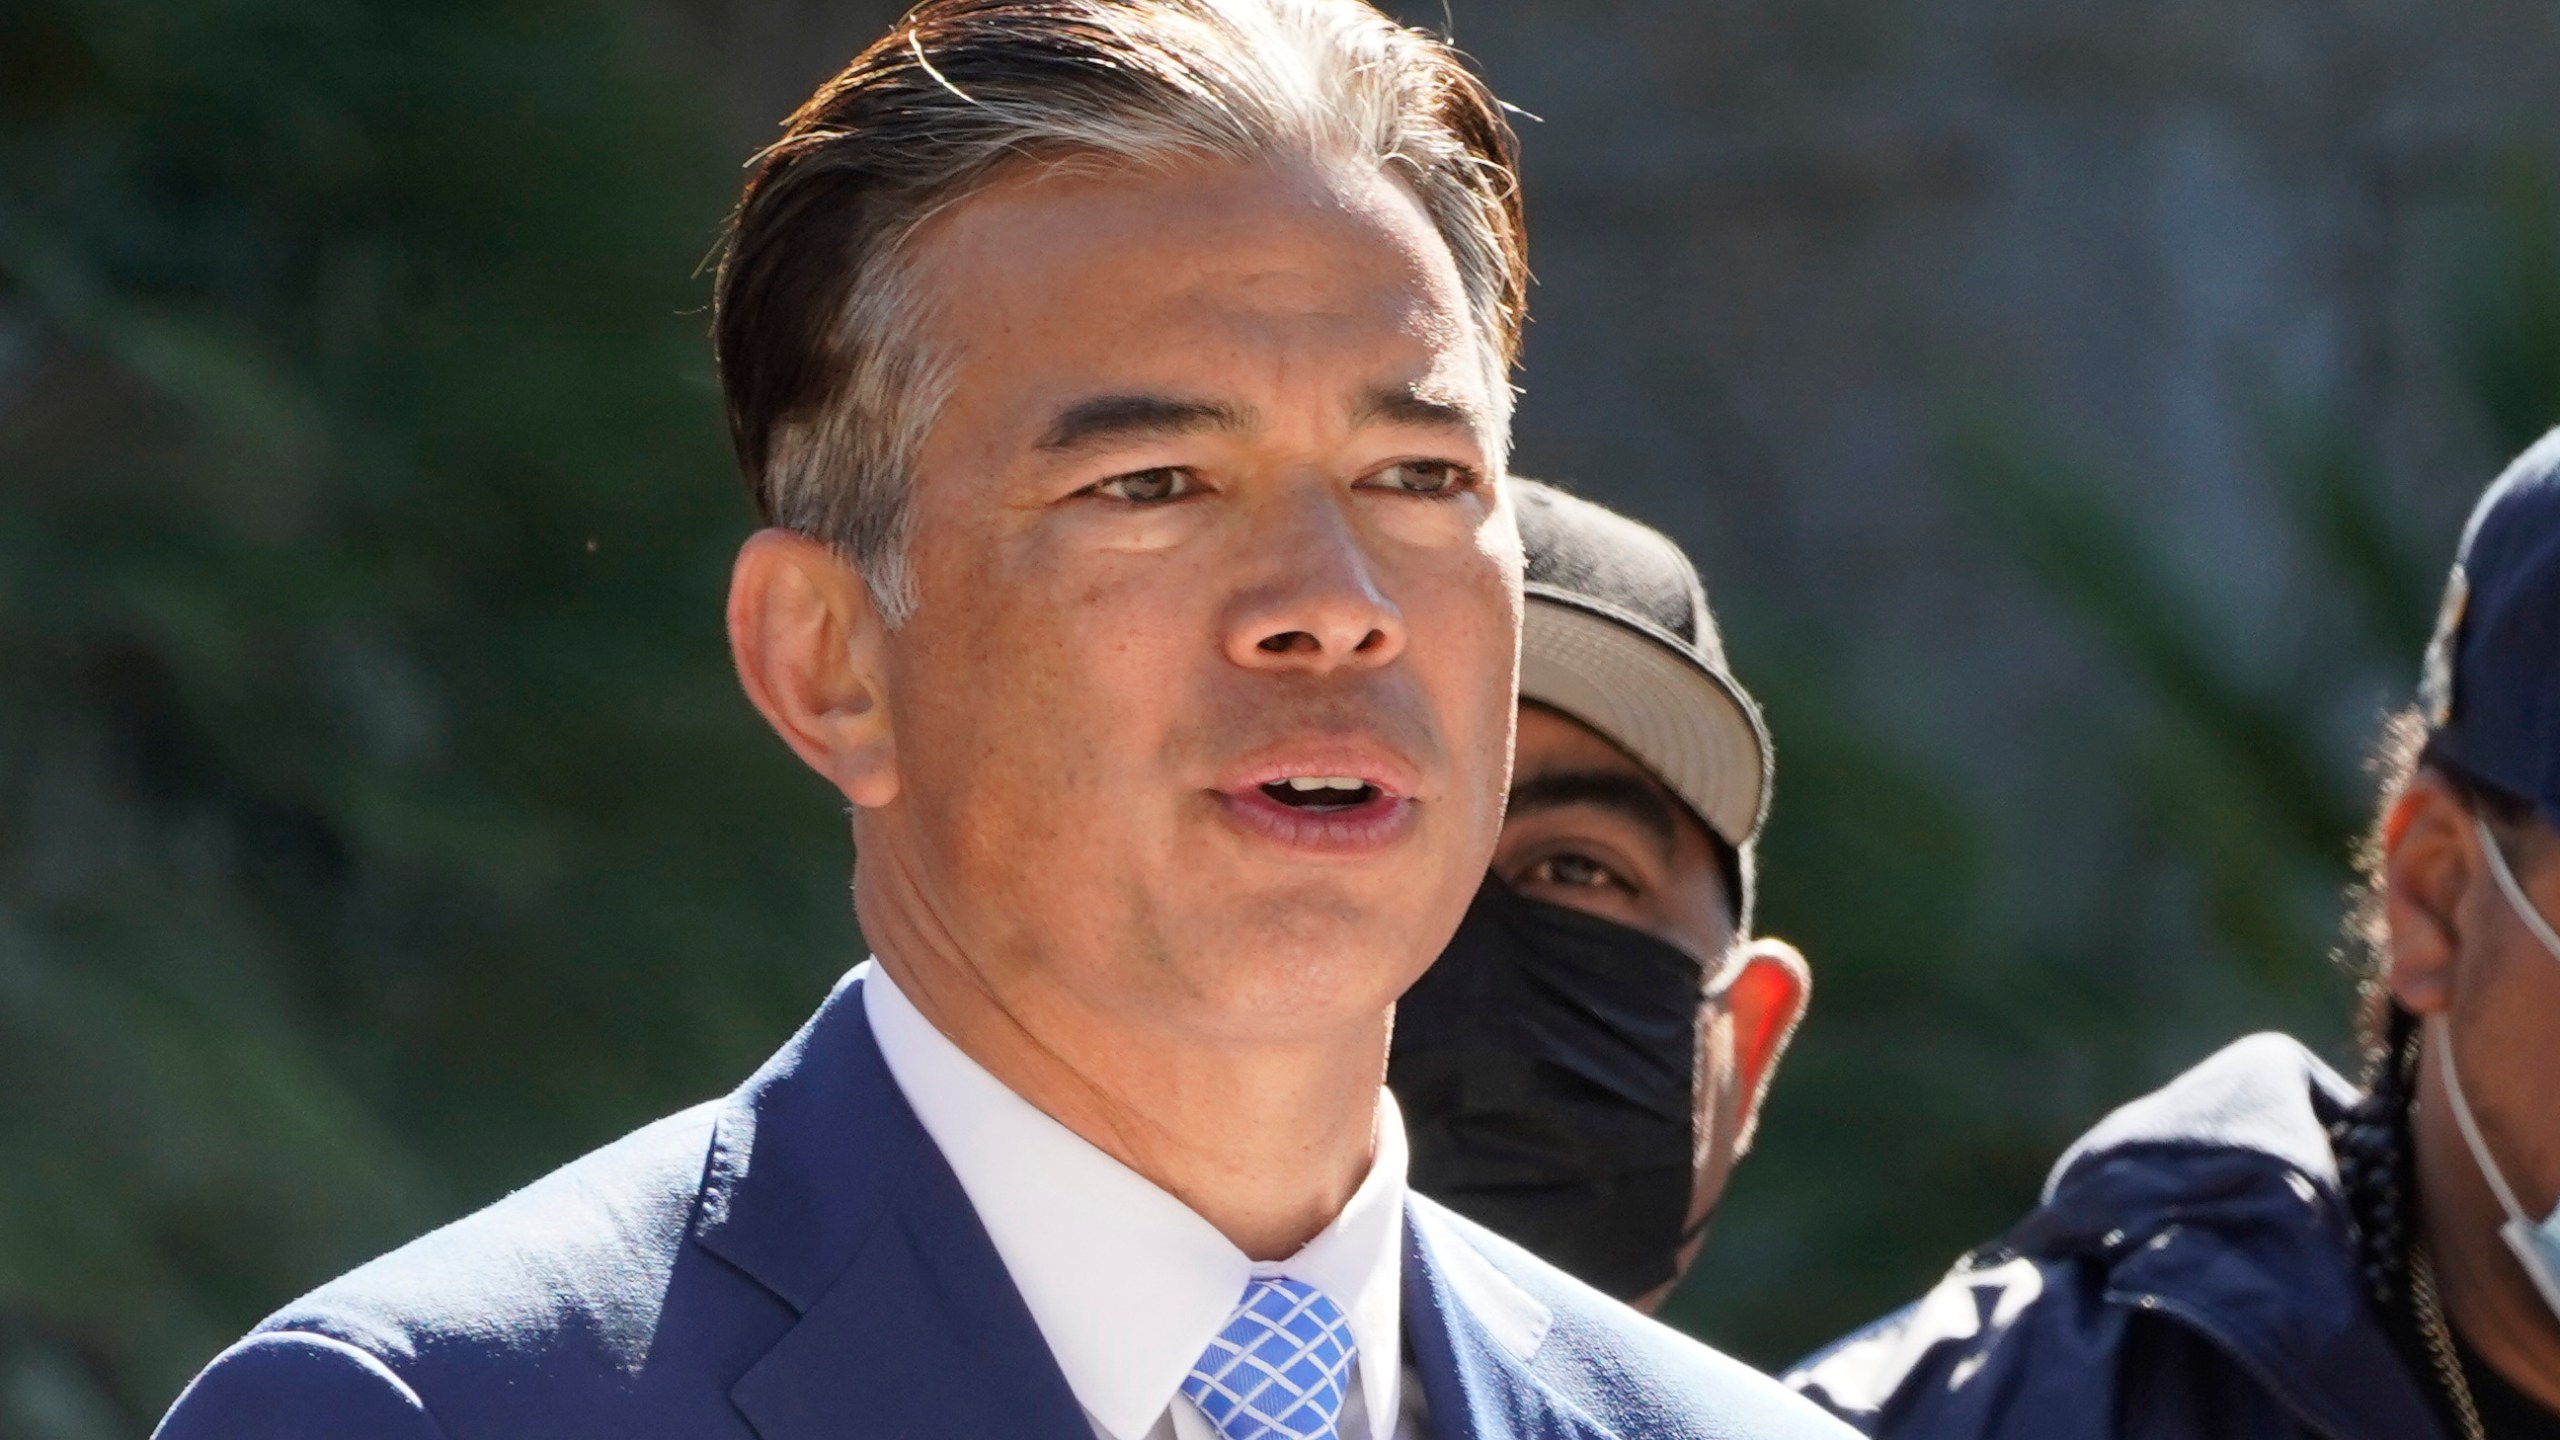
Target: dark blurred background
[2074,405]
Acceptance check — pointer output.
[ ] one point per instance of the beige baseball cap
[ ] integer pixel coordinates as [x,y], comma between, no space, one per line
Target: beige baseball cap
[1617,634]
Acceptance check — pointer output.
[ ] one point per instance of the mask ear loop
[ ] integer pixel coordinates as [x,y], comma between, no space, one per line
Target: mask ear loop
[2520,1233]
[2471,1136]
[2541,928]
[2516,898]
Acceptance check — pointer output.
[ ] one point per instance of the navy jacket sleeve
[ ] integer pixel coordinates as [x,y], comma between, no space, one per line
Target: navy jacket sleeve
[2021,1350]
[294,1385]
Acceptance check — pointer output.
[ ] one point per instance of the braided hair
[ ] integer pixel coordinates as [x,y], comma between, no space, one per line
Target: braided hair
[2377,1164]
[2377,1159]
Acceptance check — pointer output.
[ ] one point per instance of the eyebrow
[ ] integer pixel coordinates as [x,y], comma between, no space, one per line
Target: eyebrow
[1628,796]
[1109,418]
[1412,409]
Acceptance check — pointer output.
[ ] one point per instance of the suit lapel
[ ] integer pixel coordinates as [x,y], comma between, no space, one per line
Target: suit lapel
[1472,1332]
[823,1187]
[923,1335]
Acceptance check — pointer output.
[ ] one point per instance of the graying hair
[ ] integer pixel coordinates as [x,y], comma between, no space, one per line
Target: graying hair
[831,384]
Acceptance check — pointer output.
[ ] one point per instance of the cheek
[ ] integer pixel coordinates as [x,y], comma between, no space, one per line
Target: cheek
[1465,637]
[1044,668]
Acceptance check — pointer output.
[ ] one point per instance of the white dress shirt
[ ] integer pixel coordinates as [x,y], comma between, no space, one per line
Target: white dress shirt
[1126,1283]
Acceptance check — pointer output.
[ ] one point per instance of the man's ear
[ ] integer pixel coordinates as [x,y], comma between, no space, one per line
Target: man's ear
[2430,861]
[1764,994]
[808,644]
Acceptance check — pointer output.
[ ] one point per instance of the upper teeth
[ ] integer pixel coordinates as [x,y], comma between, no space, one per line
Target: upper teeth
[1327,782]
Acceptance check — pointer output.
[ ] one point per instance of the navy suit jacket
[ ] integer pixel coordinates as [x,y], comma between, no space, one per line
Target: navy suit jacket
[797,1262]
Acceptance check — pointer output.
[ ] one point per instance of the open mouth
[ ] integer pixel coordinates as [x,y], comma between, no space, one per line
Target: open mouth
[1321,794]
[1308,806]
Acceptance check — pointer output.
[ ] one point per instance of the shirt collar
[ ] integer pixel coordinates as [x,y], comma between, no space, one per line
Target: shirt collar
[1126,1283]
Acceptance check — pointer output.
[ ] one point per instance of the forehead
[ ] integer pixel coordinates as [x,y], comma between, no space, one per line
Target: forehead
[1553,743]
[1559,763]
[1064,279]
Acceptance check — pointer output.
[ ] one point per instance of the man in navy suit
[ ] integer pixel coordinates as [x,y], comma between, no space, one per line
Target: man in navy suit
[1124,383]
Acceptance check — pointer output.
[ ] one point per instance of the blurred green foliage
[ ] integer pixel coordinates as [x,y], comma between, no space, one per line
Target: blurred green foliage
[1949,1064]
[379,824]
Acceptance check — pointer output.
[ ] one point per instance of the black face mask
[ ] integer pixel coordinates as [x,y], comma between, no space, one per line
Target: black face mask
[1546,1067]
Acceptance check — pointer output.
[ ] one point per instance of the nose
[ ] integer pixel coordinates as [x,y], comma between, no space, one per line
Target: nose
[1316,605]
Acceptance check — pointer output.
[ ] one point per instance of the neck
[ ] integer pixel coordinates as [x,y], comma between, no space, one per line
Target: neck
[1266,1142]
[2487,1296]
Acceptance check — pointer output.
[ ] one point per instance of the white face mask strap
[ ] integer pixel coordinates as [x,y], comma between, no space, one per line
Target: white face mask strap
[2443,1046]
[2514,892]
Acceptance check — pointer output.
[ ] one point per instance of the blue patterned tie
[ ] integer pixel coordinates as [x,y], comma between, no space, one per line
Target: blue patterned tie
[1278,1370]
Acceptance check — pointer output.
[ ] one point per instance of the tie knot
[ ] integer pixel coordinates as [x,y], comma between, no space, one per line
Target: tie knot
[1279,1368]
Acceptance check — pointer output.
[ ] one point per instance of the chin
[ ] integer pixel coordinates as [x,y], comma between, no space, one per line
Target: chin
[1308,966]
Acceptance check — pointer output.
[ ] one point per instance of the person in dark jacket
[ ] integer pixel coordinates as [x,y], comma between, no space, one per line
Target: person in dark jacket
[1584,1065]
[2260,1249]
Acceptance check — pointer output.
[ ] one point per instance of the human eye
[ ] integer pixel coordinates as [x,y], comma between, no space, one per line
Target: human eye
[1147,487]
[1430,479]
[1573,870]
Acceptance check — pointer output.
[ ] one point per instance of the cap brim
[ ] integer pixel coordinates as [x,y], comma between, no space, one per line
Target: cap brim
[1692,726]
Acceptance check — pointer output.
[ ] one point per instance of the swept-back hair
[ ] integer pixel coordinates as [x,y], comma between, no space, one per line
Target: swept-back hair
[830,381]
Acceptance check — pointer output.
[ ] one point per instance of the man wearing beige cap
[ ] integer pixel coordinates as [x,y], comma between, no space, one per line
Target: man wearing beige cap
[1584,1065]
